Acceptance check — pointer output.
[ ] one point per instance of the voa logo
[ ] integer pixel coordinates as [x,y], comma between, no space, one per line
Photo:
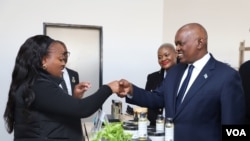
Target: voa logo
[236,132]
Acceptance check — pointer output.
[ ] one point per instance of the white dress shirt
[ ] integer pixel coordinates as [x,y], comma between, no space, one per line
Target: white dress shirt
[198,66]
[67,81]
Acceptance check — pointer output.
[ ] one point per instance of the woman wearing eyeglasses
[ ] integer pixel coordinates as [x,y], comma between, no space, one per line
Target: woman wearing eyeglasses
[37,108]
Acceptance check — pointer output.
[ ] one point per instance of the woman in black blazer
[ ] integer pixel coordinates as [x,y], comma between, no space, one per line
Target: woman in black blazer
[38,109]
[167,57]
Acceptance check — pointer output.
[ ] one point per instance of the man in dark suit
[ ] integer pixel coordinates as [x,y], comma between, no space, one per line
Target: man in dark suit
[71,77]
[167,57]
[244,71]
[214,94]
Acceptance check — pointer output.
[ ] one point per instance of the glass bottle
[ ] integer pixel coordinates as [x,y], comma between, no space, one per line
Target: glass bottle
[169,130]
[142,126]
[160,123]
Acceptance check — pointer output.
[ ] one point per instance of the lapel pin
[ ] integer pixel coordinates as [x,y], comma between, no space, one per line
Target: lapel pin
[205,76]
[73,79]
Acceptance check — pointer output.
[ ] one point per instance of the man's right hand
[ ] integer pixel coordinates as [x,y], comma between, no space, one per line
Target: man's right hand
[125,88]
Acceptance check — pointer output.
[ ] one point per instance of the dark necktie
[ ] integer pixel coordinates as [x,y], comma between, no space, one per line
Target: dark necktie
[64,87]
[184,86]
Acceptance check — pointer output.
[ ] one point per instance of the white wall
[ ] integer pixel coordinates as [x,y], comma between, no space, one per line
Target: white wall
[132,32]
[227,24]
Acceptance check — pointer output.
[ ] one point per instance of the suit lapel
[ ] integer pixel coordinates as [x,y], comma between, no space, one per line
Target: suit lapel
[72,79]
[199,82]
[178,80]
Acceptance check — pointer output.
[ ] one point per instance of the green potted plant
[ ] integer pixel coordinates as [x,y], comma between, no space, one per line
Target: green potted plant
[112,132]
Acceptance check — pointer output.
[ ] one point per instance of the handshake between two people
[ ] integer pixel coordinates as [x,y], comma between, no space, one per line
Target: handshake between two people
[121,87]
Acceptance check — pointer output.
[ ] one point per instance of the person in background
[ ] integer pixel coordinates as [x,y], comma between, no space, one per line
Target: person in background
[37,108]
[70,76]
[213,96]
[244,71]
[167,57]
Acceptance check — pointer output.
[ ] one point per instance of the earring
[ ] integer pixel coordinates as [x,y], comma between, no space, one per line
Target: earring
[44,66]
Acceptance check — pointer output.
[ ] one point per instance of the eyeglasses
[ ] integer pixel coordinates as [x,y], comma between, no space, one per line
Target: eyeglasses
[66,54]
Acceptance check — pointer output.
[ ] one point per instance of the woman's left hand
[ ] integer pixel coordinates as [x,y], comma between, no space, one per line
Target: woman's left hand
[80,89]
